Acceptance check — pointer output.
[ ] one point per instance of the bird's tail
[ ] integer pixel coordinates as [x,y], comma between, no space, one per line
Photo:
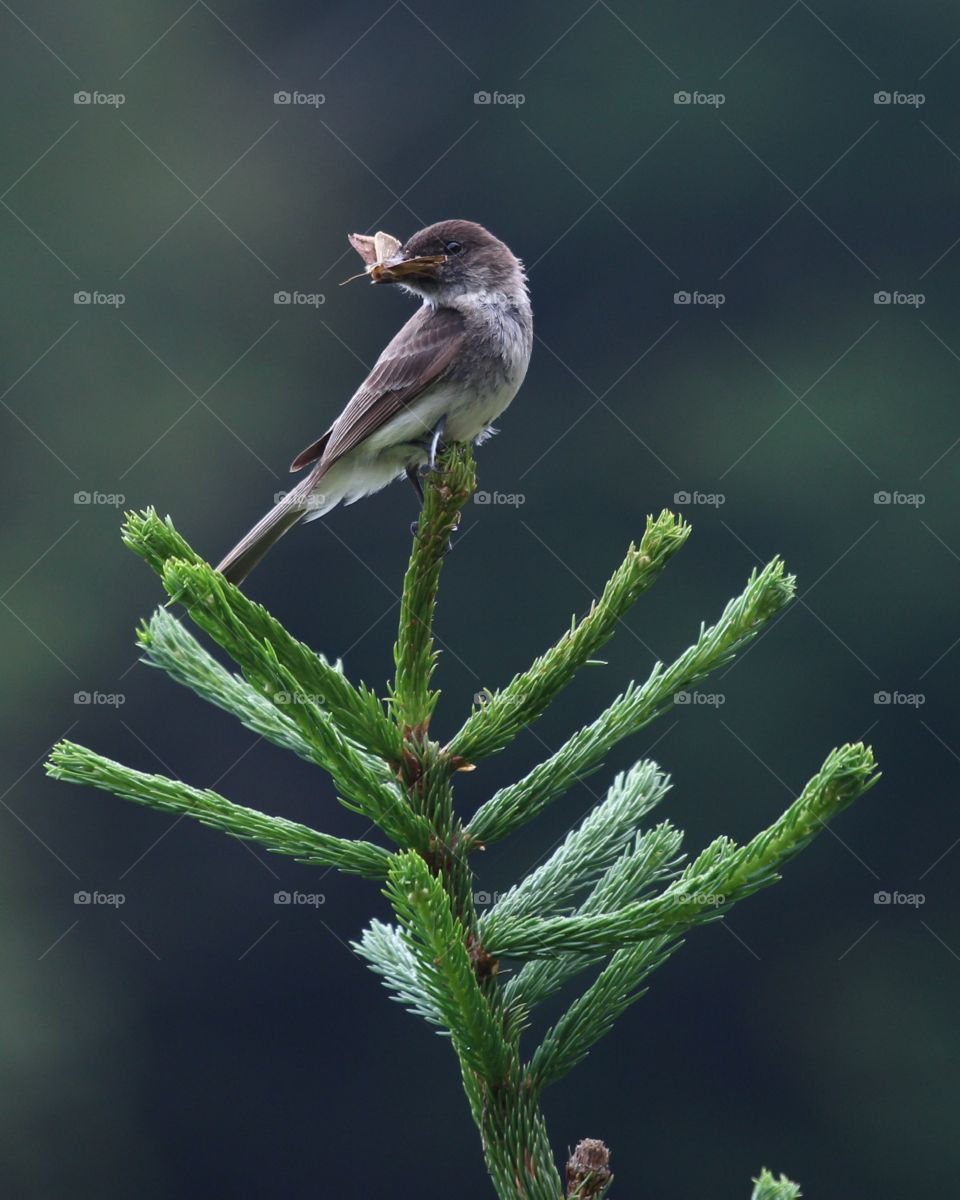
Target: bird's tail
[245,555]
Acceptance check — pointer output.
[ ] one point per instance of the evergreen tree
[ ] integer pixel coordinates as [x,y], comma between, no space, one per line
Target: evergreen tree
[614,899]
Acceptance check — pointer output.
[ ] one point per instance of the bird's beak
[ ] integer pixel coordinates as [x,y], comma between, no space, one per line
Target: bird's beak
[398,269]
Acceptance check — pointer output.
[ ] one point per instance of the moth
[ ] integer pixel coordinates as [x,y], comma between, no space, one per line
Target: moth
[375,251]
[380,253]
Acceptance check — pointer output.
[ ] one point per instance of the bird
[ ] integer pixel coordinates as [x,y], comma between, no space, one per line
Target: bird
[445,377]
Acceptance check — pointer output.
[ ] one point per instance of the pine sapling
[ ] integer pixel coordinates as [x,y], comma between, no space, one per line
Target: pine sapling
[612,901]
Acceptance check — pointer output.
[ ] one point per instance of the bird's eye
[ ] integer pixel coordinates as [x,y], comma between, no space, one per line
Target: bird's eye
[453,247]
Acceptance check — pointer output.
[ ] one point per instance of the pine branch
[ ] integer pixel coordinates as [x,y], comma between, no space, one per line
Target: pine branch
[363,781]
[591,1015]
[154,540]
[169,646]
[77,764]
[499,719]
[516,1146]
[436,939]
[446,491]
[722,875]
[652,860]
[359,713]
[608,896]
[589,849]
[766,593]
[768,1188]
[384,948]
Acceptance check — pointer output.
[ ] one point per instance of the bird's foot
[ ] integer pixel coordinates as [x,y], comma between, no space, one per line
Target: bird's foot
[414,478]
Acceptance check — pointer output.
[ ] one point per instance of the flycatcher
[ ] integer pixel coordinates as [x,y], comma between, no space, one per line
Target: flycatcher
[445,377]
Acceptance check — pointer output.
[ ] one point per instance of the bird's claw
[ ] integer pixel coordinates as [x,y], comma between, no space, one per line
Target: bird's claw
[435,444]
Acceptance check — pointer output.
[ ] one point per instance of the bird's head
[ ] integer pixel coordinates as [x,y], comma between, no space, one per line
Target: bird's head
[450,260]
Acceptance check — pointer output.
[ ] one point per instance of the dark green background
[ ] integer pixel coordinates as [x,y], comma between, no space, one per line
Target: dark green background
[201,1040]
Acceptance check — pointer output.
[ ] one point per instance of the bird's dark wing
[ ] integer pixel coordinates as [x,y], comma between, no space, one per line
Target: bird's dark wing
[417,357]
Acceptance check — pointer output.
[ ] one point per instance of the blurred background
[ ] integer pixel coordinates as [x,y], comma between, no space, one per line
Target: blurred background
[742,231]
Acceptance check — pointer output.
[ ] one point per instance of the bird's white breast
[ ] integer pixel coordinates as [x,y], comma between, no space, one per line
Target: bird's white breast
[468,400]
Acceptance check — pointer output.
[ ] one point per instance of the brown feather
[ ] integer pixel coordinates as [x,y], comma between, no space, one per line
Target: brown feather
[312,453]
[245,555]
[416,358]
